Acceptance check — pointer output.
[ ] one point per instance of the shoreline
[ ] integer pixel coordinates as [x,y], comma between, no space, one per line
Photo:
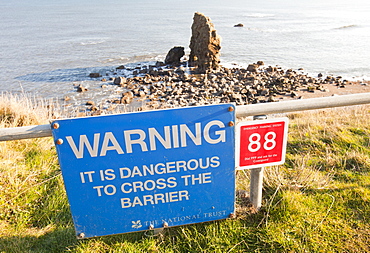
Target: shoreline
[353,87]
[162,86]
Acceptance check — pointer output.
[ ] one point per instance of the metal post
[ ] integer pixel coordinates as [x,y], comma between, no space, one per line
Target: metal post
[256,181]
[256,187]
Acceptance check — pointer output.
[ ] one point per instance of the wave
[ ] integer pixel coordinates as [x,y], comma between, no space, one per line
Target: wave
[148,57]
[92,42]
[115,59]
[82,74]
[259,15]
[64,75]
[346,26]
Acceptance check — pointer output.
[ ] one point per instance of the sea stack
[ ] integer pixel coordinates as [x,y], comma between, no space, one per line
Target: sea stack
[205,45]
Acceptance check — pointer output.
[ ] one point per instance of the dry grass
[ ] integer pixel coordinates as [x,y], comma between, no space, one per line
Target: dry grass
[25,110]
[319,143]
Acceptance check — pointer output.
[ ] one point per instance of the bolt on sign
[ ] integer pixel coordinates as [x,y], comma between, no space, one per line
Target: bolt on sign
[138,171]
[261,143]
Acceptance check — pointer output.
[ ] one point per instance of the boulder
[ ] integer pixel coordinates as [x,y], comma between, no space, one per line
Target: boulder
[127,97]
[271,69]
[94,75]
[120,81]
[121,67]
[174,55]
[252,67]
[93,108]
[205,45]
[160,64]
[80,88]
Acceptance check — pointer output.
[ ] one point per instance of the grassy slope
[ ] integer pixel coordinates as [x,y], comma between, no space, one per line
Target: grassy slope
[317,202]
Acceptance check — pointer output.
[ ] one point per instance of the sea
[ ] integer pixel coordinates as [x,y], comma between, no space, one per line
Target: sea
[49,47]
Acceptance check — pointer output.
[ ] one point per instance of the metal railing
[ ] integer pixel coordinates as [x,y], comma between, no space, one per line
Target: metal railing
[256,176]
[28,132]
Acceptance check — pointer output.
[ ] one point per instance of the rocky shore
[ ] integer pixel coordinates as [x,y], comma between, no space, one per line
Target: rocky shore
[167,86]
[202,80]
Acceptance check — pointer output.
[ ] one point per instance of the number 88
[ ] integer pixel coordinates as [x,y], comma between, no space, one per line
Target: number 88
[269,143]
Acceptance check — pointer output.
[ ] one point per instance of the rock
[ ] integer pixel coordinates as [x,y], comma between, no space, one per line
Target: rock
[311,89]
[174,55]
[160,64]
[90,103]
[293,94]
[81,114]
[120,80]
[271,99]
[141,94]
[205,45]
[321,88]
[239,25]
[271,69]
[94,75]
[127,97]
[265,92]
[121,67]
[260,63]
[252,67]
[80,88]
[93,108]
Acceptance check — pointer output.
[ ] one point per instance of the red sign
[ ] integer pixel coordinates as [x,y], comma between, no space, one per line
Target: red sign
[261,143]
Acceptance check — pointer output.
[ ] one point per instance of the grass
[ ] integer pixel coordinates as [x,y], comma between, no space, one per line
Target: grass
[319,201]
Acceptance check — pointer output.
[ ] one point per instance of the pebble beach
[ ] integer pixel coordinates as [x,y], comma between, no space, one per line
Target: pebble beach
[160,86]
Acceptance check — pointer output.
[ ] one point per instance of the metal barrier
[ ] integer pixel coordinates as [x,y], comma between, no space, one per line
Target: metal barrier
[29,132]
